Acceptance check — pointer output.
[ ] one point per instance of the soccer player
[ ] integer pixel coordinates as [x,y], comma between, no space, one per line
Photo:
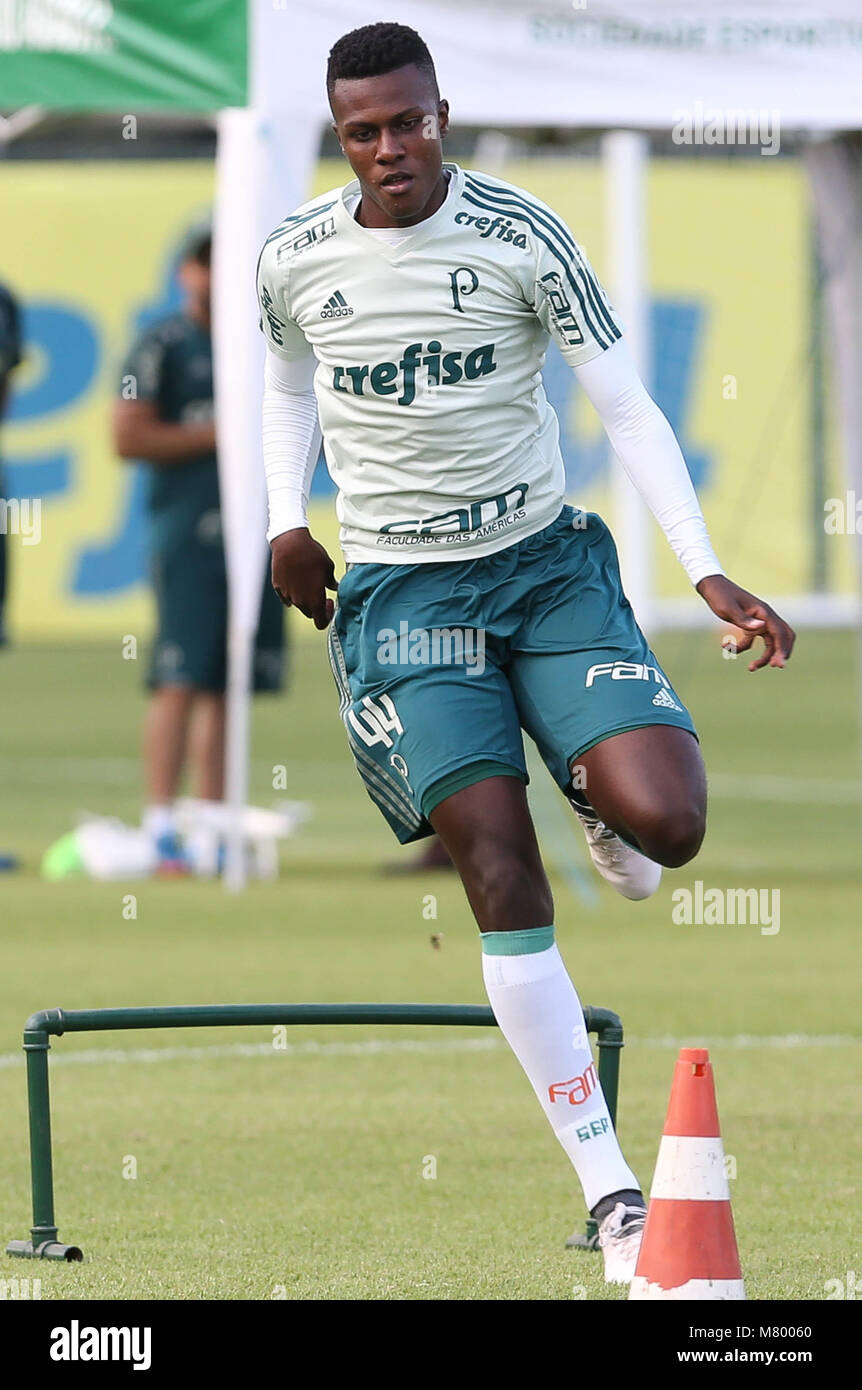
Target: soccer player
[164,416]
[410,310]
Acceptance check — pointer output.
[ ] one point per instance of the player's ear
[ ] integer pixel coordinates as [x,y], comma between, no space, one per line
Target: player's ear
[334,129]
[443,118]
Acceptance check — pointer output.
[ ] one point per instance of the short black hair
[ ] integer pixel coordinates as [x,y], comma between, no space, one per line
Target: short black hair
[203,254]
[197,243]
[375,49]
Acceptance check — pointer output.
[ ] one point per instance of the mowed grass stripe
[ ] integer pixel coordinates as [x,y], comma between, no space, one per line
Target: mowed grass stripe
[372,1047]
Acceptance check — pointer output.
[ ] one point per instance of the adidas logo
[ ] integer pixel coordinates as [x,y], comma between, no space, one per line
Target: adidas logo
[666,701]
[336,307]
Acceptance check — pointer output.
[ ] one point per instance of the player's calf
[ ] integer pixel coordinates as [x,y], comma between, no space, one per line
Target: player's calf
[488,832]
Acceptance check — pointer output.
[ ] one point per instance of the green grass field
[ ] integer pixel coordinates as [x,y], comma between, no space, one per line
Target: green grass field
[299,1172]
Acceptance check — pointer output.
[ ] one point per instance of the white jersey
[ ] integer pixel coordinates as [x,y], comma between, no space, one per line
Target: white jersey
[437,431]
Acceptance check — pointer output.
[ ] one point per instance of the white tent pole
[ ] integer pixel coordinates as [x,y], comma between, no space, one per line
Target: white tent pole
[625,155]
[237,754]
[835,171]
[263,164]
[237,361]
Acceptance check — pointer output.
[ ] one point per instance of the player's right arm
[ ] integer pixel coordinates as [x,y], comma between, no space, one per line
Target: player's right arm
[302,570]
[138,430]
[140,434]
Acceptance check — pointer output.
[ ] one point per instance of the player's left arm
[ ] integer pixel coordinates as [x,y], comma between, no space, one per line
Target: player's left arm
[572,306]
[650,454]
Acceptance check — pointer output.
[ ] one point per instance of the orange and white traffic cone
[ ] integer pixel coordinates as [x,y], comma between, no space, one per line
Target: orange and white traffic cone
[689,1249]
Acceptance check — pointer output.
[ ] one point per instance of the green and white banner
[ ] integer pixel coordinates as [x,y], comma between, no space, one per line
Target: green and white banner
[81,55]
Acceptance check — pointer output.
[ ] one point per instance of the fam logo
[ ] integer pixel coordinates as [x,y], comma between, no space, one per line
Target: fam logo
[576,1091]
[438,368]
[500,227]
[483,517]
[625,671]
[561,310]
[311,236]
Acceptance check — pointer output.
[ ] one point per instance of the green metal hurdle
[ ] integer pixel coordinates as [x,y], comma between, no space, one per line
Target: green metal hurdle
[40,1027]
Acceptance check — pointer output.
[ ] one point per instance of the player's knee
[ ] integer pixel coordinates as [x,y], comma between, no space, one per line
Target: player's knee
[672,834]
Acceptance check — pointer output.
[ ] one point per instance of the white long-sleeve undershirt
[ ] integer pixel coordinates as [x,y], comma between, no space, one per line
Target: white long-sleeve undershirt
[641,437]
[647,448]
[291,439]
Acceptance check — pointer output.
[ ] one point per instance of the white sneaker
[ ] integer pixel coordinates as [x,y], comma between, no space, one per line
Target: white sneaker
[620,1243]
[624,868]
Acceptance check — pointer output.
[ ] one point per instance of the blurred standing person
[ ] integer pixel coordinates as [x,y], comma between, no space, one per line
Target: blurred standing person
[164,418]
[10,357]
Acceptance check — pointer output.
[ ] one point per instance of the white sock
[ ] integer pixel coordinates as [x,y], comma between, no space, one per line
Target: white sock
[158,820]
[540,1016]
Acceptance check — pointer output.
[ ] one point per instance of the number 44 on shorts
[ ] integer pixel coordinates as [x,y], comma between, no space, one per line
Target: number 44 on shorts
[376,721]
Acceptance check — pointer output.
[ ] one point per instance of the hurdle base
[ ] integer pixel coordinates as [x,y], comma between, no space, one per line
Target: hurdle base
[45,1250]
[588,1241]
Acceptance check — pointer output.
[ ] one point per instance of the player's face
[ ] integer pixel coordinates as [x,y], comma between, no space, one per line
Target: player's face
[391,129]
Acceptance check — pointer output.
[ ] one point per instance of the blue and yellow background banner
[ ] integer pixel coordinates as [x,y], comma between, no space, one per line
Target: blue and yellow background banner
[90,252]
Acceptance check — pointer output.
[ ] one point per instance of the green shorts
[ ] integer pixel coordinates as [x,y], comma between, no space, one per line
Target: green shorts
[440,668]
[190,584]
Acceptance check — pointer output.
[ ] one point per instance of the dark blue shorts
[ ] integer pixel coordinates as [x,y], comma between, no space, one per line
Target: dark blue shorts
[440,668]
[190,584]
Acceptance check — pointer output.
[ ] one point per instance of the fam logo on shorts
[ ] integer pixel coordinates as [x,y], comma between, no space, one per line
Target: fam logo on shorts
[635,671]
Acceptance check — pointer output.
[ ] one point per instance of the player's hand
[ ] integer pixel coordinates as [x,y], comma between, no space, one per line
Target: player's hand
[752,616]
[301,573]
